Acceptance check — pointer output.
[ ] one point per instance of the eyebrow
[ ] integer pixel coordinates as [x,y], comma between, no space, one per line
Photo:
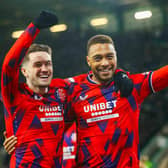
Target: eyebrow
[109,53]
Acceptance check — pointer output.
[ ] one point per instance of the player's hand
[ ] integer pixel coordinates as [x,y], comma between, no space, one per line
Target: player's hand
[123,83]
[9,143]
[45,20]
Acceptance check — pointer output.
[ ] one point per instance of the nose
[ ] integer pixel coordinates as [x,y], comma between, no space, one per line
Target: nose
[44,68]
[104,62]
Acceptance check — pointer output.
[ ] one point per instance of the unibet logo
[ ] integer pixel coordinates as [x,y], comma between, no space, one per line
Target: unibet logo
[49,108]
[100,106]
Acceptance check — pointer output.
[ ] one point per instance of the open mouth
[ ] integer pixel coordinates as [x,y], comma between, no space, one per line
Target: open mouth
[105,71]
[44,77]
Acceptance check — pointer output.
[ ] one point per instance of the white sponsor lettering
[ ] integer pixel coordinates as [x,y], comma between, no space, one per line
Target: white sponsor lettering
[51,119]
[65,157]
[102,118]
[67,152]
[68,149]
[53,114]
[49,108]
[100,106]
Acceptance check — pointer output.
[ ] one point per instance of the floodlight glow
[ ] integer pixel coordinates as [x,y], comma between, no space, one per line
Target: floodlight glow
[143,15]
[58,28]
[99,21]
[16,34]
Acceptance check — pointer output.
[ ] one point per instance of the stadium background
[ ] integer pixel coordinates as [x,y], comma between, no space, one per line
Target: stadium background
[141,45]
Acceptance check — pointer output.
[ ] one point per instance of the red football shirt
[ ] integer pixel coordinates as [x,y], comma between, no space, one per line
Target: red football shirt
[36,120]
[107,124]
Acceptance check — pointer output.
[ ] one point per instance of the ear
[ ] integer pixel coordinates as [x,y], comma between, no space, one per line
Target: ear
[88,60]
[23,70]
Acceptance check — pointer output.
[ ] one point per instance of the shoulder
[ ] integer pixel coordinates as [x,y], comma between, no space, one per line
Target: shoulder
[58,82]
[76,79]
[139,77]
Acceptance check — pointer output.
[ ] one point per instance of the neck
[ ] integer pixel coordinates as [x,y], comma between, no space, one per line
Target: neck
[93,77]
[39,89]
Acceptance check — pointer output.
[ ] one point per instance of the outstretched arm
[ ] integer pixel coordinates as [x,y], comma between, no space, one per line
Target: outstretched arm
[160,79]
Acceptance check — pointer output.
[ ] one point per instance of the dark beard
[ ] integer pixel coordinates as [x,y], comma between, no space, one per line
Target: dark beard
[103,81]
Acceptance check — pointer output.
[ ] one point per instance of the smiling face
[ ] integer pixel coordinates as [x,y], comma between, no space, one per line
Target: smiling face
[38,70]
[102,60]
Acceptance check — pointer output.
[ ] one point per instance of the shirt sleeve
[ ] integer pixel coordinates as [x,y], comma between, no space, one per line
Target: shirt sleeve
[150,82]
[142,85]
[159,79]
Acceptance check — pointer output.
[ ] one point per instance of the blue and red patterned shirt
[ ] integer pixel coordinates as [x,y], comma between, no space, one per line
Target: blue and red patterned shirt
[107,124]
[36,120]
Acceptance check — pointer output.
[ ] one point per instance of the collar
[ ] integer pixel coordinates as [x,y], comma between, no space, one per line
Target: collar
[26,90]
[90,80]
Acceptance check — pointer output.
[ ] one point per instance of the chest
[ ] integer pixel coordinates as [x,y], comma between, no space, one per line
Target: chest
[95,106]
[48,109]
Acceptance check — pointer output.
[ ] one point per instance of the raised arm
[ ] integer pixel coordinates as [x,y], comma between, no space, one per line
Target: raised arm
[13,60]
[10,70]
